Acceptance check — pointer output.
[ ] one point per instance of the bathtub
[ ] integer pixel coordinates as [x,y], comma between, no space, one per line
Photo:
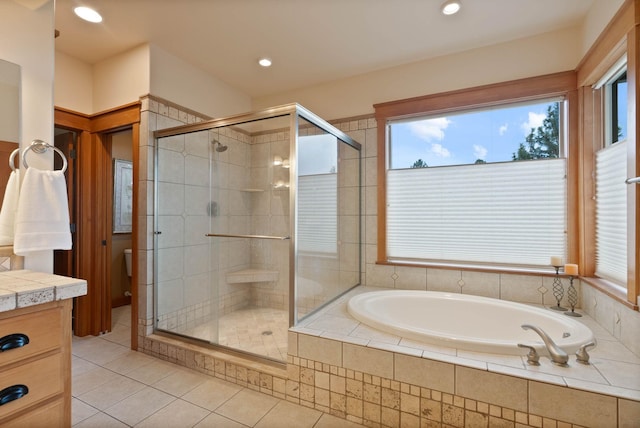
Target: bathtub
[462,321]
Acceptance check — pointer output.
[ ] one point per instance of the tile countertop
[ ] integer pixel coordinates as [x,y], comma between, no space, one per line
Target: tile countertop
[22,288]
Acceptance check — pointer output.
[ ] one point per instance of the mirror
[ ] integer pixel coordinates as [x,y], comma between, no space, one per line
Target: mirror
[9,142]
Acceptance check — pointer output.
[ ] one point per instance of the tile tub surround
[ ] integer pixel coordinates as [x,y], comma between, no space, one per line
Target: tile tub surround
[22,288]
[331,344]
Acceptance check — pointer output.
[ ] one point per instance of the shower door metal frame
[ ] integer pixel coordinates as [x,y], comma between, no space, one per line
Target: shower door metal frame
[294,111]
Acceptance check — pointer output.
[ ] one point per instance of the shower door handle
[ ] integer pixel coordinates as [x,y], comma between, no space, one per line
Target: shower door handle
[224,235]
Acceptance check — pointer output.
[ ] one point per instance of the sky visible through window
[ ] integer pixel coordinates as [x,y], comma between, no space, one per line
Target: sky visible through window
[317,154]
[491,135]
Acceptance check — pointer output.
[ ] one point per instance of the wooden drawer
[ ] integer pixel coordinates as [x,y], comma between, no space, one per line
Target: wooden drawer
[43,328]
[43,377]
[50,415]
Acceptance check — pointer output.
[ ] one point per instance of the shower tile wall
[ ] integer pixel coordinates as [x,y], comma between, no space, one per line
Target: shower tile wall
[270,216]
[190,265]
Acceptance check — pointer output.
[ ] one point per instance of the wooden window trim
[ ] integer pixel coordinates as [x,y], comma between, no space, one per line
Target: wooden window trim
[620,37]
[529,89]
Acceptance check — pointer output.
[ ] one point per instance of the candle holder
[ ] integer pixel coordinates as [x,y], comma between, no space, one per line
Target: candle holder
[572,296]
[558,291]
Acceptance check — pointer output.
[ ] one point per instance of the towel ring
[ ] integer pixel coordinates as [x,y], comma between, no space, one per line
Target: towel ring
[12,157]
[40,146]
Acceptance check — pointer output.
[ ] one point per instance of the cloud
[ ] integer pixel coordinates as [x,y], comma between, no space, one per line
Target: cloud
[535,120]
[430,129]
[503,129]
[439,150]
[479,152]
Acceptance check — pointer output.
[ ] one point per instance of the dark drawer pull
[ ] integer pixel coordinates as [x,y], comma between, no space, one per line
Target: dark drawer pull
[11,393]
[11,341]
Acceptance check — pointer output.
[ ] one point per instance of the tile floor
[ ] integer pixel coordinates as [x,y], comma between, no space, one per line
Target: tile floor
[261,331]
[113,386]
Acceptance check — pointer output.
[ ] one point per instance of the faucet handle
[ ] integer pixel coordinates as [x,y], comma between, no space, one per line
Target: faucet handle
[581,354]
[533,358]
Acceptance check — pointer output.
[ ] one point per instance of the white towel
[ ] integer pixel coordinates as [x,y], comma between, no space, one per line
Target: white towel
[9,208]
[42,220]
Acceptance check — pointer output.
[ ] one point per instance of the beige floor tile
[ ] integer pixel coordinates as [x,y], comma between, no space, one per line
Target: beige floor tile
[211,394]
[98,350]
[330,421]
[120,334]
[91,380]
[81,411]
[178,414]
[129,362]
[80,365]
[288,415]
[180,382]
[153,372]
[139,406]
[216,421]
[247,407]
[121,315]
[100,420]
[111,392]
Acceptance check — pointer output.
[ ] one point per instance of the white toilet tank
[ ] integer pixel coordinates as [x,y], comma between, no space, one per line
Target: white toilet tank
[127,260]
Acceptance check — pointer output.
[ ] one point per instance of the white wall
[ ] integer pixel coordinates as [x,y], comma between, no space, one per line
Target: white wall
[601,12]
[533,56]
[121,79]
[27,40]
[73,88]
[180,82]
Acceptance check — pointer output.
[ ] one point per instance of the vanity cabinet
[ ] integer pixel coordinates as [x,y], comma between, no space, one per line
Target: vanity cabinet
[35,348]
[35,365]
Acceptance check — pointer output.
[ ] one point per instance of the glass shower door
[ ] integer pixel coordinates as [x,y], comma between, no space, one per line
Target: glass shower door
[222,236]
[186,300]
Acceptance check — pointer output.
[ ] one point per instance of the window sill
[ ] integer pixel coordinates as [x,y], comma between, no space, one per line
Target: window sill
[517,270]
[610,290]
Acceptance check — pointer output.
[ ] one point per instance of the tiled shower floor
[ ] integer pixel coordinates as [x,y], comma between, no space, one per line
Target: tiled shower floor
[261,331]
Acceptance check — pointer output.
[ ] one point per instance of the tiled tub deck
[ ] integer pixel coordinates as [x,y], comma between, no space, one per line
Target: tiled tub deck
[339,366]
[371,377]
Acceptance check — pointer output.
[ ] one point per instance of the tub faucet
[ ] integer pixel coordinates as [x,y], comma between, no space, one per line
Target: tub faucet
[558,356]
[581,354]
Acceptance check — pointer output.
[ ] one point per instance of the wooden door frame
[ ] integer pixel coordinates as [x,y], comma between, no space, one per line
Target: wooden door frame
[94,168]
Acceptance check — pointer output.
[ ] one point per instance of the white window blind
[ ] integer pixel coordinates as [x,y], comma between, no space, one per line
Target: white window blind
[318,213]
[611,213]
[506,213]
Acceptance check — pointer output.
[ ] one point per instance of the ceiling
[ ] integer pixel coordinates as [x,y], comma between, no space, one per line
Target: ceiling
[310,41]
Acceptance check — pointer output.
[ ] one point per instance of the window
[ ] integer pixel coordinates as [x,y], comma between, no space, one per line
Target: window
[479,177]
[480,186]
[611,190]
[317,194]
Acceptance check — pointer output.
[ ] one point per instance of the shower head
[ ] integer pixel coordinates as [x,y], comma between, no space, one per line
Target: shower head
[220,147]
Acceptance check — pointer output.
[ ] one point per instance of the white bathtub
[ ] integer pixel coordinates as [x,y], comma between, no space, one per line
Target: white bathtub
[466,322]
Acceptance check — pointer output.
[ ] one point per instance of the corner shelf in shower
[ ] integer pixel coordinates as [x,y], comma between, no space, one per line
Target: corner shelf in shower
[252,275]
[252,190]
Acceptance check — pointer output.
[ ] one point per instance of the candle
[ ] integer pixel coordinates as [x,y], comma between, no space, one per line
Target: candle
[556,261]
[571,269]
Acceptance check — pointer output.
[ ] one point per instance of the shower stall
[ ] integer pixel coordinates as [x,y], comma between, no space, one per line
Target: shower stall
[256,225]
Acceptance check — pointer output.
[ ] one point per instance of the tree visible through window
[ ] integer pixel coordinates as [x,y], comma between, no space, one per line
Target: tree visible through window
[499,134]
[478,186]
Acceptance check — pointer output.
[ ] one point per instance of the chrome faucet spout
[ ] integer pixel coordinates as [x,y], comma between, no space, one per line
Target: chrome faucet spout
[558,356]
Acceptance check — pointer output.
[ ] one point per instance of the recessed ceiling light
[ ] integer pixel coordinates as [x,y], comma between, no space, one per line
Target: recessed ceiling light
[88,14]
[450,7]
[265,62]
